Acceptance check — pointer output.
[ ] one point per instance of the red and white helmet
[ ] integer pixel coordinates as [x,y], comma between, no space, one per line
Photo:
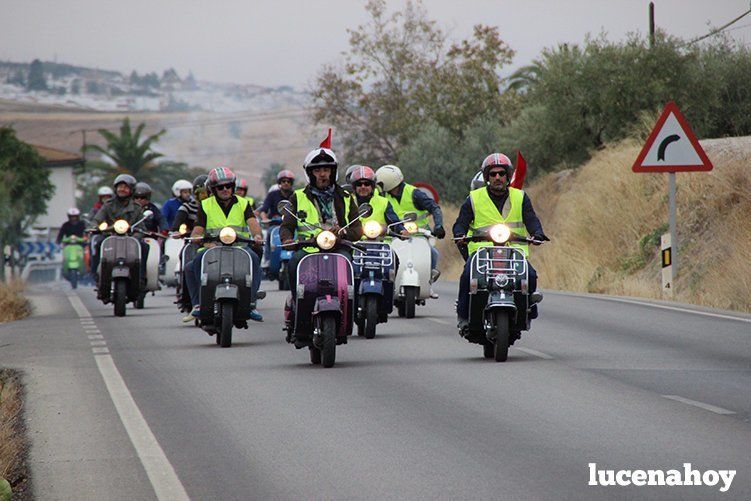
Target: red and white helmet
[219,176]
[497,160]
[242,184]
[285,174]
[363,173]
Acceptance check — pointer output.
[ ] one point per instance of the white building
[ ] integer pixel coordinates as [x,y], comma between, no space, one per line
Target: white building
[62,176]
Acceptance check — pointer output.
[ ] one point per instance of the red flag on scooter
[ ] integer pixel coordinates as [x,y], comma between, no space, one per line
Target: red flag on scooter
[326,143]
[517,180]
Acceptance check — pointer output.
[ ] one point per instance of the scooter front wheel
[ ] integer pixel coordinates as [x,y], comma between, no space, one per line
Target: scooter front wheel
[328,344]
[410,300]
[225,330]
[371,316]
[502,330]
[121,296]
[74,278]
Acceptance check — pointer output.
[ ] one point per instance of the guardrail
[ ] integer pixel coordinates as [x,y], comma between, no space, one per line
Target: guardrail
[42,271]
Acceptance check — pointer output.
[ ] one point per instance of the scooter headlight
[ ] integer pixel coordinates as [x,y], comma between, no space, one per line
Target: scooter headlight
[501,280]
[227,235]
[183,229]
[121,226]
[372,229]
[102,226]
[326,240]
[410,226]
[500,233]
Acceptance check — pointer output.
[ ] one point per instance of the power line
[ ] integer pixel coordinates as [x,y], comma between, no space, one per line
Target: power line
[717,30]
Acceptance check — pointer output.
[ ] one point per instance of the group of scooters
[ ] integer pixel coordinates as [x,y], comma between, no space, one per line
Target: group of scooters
[332,293]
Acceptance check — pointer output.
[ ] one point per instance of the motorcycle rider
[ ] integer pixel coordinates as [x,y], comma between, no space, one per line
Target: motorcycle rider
[348,177]
[72,227]
[103,193]
[285,180]
[325,203]
[142,196]
[407,198]
[181,191]
[363,183]
[188,211]
[222,209]
[496,202]
[242,191]
[121,206]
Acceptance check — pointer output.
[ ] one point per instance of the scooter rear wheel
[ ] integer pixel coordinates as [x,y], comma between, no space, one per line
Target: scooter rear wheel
[225,331]
[74,278]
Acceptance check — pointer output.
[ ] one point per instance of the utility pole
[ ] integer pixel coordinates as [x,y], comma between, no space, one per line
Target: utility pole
[672,212]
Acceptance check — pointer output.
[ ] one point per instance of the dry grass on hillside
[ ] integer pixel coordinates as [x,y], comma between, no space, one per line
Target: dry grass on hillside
[13,305]
[605,221]
[13,446]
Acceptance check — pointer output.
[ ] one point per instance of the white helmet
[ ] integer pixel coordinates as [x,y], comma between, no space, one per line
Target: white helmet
[74,212]
[320,157]
[477,182]
[180,185]
[389,177]
[105,191]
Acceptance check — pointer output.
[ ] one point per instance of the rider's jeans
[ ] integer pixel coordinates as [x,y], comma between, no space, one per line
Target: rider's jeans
[434,255]
[193,276]
[462,307]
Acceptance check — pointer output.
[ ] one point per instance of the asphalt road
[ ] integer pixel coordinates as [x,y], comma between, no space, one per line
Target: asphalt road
[416,413]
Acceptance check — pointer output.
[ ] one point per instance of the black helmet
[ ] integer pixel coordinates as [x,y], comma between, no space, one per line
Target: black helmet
[199,183]
[142,190]
[125,178]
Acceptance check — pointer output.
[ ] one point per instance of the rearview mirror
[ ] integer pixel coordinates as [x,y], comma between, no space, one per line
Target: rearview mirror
[365,210]
[410,217]
[148,214]
[284,206]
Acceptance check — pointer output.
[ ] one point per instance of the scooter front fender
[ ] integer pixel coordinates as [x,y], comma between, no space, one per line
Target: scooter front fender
[368,286]
[226,291]
[326,304]
[410,278]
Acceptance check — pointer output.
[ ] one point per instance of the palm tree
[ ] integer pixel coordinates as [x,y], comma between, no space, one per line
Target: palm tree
[127,151]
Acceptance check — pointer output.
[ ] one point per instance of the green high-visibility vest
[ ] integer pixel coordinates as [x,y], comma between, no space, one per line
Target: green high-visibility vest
[313,218]
[486,214]
[216,220]
[379,204]
[407,204]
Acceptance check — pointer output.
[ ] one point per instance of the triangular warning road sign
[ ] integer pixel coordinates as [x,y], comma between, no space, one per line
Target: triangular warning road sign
[672,146]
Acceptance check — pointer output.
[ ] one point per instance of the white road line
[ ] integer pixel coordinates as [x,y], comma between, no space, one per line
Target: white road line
[439,321]
[98,343]
[534,353]
[661,306]
[92,331]
[161,474]
[701,405]
[100,351]
[96,336]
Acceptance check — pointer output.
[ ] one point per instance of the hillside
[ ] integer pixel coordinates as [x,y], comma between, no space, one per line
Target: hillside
[604,222]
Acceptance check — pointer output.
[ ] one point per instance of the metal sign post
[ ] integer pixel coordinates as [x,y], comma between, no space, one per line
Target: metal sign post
[672,147]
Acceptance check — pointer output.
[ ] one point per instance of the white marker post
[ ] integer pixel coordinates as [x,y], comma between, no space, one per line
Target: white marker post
[667,266]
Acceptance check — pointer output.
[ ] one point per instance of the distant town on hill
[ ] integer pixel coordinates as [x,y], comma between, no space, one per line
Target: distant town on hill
[94,89]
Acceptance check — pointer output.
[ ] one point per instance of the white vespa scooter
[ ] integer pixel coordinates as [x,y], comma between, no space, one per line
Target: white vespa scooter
[412,284]
[172,249]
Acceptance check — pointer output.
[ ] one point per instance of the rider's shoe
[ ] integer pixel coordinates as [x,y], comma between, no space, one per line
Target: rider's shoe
[255,316]
[261,294]
[433,295]
[462,323]
[193,315]
[434,274]
[535,297]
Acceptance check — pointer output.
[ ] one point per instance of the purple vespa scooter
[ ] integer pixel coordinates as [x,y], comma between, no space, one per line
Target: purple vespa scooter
[322,315]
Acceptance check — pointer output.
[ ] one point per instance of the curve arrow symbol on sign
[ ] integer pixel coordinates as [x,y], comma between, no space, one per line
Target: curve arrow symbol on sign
[664,144]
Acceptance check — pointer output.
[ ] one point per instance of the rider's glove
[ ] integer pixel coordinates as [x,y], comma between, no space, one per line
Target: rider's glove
[439,232]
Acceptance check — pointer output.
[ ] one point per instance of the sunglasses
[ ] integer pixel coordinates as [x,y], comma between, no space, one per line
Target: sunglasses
[498,173]
[285,181]
[362,183]
[224,187]
[140,197]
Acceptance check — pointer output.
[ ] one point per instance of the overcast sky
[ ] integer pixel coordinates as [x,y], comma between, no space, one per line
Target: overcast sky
[276,42]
